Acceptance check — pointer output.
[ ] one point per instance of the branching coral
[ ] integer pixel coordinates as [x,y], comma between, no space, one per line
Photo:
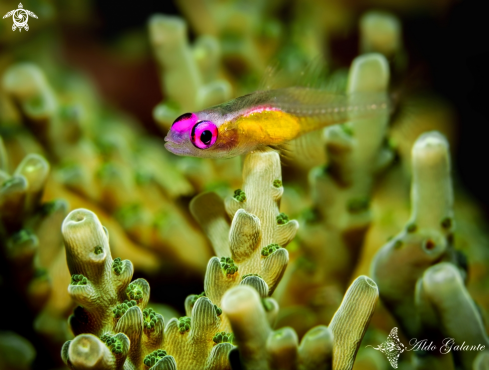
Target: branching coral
[380,32]
[110,323]
[193,341]
[32,247]
[240,261]
[257,224]
[420,275]
[240,28]
[190,82]
[109,165]
[183,77]
[332,237]
[322,347]
[119,337]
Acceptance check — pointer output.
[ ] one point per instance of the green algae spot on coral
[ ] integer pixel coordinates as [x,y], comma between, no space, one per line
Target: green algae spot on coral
[195,297]
[282,219]
[223,337]
[117,266]
[269,249]
[153,358]
[184,324]
[78,279]
[134,291]
[239,195]
[228,266]
[98,250]
[446,223]
[149,319]
[411,228]
[114,344]
[277,183]
[122,308]
[218,310]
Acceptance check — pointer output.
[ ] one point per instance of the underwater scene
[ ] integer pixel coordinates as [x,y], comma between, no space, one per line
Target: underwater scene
[243,184]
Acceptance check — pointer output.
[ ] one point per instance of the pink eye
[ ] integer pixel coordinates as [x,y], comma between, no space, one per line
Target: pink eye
[204,134]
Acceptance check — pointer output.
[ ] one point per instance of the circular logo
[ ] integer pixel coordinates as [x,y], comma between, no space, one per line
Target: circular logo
[20,17]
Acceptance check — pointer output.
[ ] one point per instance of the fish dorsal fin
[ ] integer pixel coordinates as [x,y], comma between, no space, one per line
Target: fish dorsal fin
[307,149]
[278,75]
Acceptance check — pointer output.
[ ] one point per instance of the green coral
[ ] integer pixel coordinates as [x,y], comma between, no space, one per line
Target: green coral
[228,266]
[411,228]
[184,324]
[277,183]
[282,219]
[149,318]
[134,292]
[117,266]
[245,276]
[269,249]
[194,298]
[446,223]
[218,310]
[122,308]
[98,250]
[398,243]
[239,195]
[223,337]
[22,236]
[153,358]
[114,344]
[78,280]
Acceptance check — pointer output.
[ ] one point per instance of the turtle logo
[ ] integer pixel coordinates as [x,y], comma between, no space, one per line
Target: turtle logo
[20,17]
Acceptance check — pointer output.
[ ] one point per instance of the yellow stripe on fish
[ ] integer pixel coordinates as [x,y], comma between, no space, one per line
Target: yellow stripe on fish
[268,127]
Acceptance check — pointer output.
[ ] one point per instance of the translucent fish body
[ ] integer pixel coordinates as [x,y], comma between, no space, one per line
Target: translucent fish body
[267,118]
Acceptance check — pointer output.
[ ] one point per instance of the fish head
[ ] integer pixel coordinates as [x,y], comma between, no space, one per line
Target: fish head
[197,135]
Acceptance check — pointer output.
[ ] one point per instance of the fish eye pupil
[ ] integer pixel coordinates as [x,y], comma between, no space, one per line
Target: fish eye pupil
[206,136]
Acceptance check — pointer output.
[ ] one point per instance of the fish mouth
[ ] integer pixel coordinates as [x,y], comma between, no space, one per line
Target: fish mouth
[168,139]
[175,148]
[170,146]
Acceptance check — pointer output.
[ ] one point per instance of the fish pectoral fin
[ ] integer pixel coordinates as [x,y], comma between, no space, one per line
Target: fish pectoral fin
[309,147]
